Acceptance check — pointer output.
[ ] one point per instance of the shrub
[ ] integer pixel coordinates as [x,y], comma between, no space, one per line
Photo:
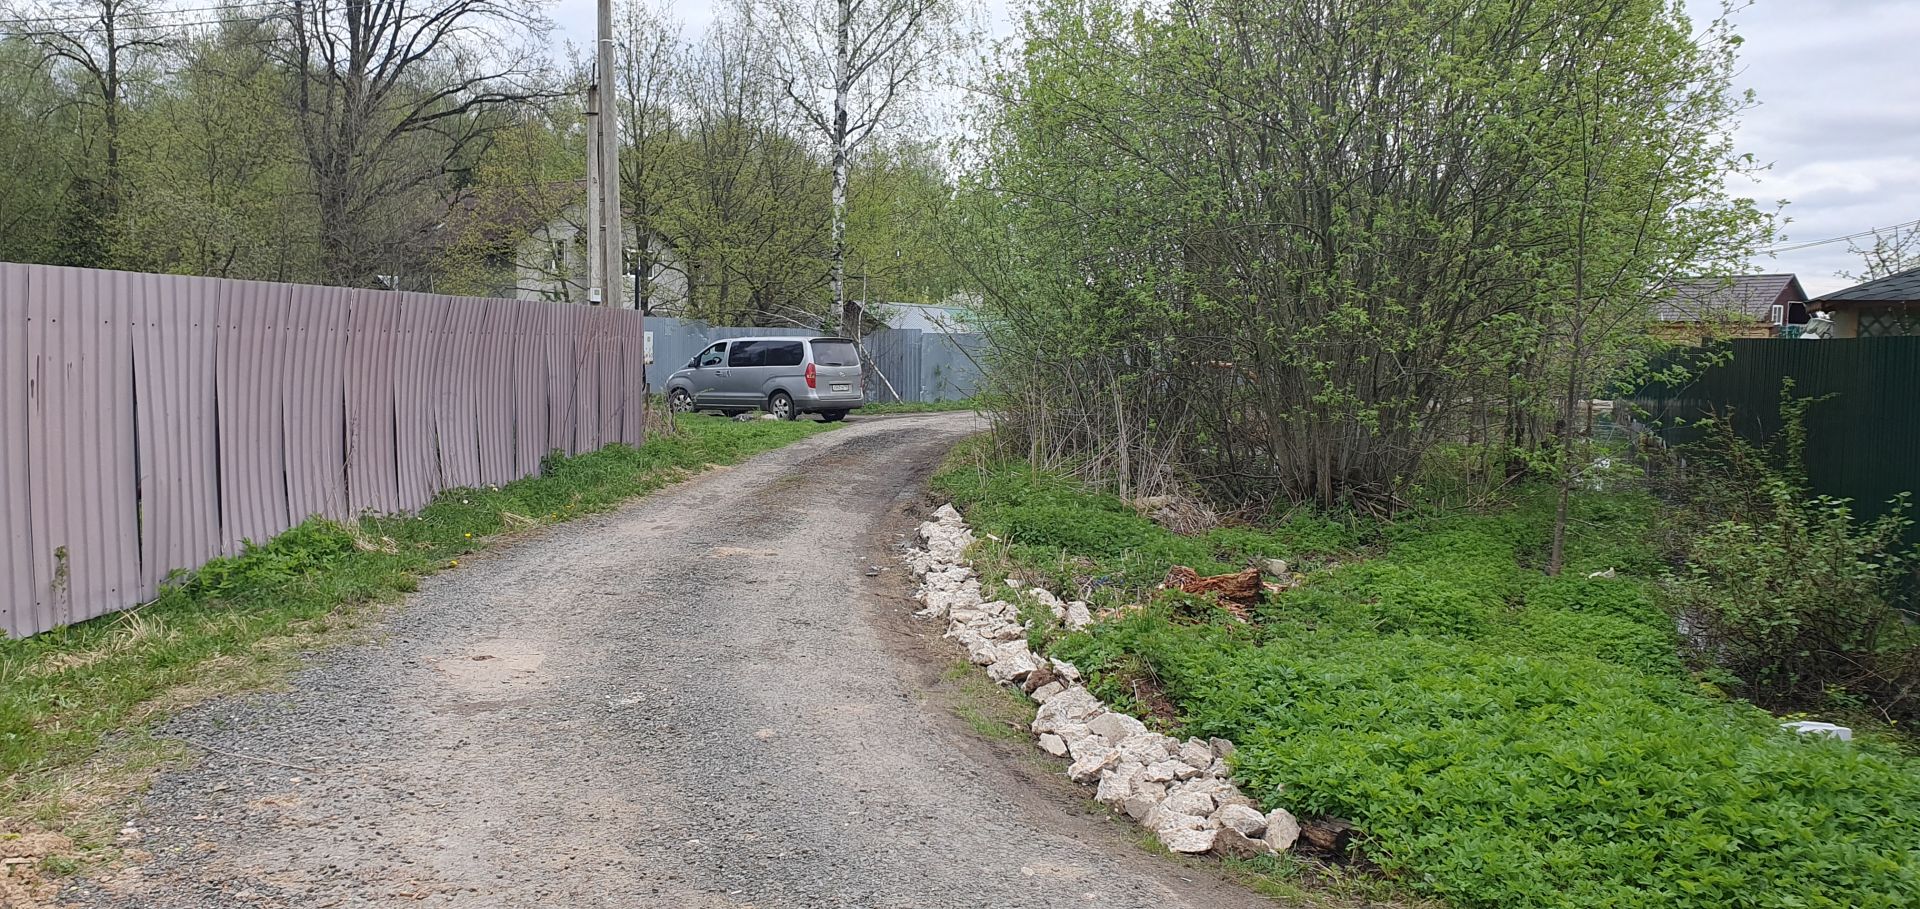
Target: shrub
[1788,591]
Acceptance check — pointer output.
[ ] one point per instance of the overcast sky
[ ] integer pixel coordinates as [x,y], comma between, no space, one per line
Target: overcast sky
[1839,115]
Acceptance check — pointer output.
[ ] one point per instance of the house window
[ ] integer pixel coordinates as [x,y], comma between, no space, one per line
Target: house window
[1777,314]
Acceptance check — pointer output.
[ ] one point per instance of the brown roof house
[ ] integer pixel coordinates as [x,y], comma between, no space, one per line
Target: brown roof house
[1880,308]
[1736,306]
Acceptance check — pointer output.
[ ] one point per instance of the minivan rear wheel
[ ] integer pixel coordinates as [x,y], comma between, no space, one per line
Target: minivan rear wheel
[780,404]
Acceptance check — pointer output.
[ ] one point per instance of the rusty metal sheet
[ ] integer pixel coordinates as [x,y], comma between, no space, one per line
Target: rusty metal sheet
[249,368]
[372,474]
[83,507]
[16,545]
[314,401]
[175,437]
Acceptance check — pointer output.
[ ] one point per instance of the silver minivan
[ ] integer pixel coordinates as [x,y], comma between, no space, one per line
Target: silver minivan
[785,376]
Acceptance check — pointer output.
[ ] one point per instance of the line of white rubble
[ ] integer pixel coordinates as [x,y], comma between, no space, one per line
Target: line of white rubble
[1180,790]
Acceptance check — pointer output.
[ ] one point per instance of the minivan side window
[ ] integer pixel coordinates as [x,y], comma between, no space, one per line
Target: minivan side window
[712,356]
[782,353]
[835,353]
[747,353]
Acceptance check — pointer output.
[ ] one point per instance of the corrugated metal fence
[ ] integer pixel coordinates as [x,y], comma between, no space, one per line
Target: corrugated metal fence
[150,422]
[1862,444]
[904,364]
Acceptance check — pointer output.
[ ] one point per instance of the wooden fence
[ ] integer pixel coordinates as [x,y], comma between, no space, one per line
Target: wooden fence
[151,422]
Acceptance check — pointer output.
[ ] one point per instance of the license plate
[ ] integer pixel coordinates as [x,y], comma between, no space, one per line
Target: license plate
[843,387]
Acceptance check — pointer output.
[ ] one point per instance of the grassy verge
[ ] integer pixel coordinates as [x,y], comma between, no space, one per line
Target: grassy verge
[1502,738]
[76,702]
[921,407]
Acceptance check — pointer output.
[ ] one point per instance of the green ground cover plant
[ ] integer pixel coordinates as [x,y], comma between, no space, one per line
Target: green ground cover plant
[1503,738]
[242,621]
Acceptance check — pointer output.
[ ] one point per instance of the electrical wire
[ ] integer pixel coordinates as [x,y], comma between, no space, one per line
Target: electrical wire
[1865,233]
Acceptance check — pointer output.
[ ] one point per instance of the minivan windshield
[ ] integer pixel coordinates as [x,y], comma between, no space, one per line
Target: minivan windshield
[835,353]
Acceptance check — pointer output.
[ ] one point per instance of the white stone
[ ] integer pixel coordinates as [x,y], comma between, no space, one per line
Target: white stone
[1231,843]
[1087,743]
[1013,664]
[1066,670]
[1163,817]
[1219,768]
[1074,705]
[1076,615]
[1164,771]
[1221,747]
[1053,744]
[1074,732]
[1192,842]
[1276,567]
[1198,804]
[1116,726]
[1089,768]
[1197,754]
[1015,583]
[1282,830]
[1116,784]
[1247,821]
[1146,747]
[1047,691]
[1146,797]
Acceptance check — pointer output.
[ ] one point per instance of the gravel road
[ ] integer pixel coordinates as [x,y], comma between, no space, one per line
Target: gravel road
[700,700]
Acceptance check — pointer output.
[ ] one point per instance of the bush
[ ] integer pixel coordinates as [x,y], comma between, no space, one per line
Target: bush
[1788,591]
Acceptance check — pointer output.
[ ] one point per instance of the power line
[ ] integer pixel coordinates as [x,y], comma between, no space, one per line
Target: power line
[1865,233]
[29,20]
[131,28]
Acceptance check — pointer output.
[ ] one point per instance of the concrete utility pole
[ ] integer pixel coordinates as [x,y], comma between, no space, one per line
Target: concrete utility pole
[605,240]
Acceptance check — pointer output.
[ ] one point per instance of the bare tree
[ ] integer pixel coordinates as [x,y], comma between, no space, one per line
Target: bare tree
[390,97]
[1893,250]
[848,65]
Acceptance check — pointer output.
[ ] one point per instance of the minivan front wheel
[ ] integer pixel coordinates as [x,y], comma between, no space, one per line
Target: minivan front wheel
[679,401]
[780,404]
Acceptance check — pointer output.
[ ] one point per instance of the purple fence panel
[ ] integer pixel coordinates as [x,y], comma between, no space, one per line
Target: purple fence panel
[173,399]
[372,479]
[633,354]
[560,378]
[529,370]
[84,512]
[586,380]
[493,389]
[314,402]
[248,372]
[150,422]
[454,393]
[16,546]
[613,383]
[415,360]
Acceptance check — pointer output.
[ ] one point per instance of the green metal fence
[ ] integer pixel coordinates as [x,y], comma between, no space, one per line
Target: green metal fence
[1863,443]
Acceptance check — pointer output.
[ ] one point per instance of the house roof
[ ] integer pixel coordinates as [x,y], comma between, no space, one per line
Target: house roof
[1903,287]
[1736,296]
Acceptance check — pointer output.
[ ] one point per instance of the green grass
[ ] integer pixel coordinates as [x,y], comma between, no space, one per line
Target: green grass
[242,621]
[1503,738]
[920,407]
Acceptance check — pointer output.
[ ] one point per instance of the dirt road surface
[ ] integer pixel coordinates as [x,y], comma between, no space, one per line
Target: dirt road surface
[700,700]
